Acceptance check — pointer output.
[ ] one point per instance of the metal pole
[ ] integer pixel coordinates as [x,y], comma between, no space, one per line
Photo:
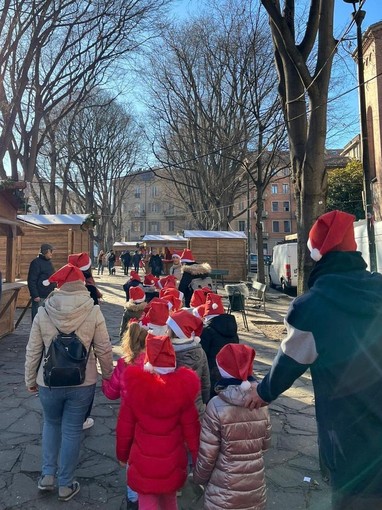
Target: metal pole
[358,17]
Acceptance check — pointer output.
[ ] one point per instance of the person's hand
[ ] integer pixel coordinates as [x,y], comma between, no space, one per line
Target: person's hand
[37,299]
[32,389]
[252,400]
[122,464]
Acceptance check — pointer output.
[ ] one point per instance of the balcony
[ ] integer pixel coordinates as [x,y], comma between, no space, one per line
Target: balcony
[136,214]
[174,213]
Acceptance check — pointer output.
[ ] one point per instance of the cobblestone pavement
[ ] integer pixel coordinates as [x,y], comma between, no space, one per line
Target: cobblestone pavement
[292,457]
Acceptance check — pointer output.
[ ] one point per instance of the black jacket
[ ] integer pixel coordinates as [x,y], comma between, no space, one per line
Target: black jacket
[39,270]
[218,332]
[189,273]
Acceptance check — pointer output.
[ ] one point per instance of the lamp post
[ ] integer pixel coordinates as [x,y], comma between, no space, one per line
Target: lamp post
[358,17]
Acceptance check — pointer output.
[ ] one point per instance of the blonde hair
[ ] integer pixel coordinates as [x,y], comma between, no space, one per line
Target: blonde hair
[133,342]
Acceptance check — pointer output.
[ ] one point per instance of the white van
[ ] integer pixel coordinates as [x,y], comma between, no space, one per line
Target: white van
[362,240]
[283,270]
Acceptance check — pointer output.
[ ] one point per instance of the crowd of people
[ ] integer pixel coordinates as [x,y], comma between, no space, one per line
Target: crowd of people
[190,405]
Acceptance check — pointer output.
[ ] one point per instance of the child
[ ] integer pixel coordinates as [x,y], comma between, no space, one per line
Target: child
[134,308]
[230,460]
[157,423]
[185,329]
[133,348]
[83,262]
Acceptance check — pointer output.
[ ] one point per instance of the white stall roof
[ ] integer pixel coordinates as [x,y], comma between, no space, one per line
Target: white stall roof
[165,238]
[219,234]
[125,244]
[53,219]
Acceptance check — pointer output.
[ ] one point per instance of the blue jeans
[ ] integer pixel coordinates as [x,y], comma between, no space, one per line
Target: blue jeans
[131,495]
[64,413]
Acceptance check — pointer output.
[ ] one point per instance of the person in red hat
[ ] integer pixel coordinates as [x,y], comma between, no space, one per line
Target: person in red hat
[231,433]
[185,329]
[69,308]
[176,268]
[83,262]
[335,330]
[158,425]
[156,316]
[191,270]
[133,281]
[219,329]
[134,308]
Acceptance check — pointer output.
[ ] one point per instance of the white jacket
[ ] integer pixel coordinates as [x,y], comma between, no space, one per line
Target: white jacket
[68,309]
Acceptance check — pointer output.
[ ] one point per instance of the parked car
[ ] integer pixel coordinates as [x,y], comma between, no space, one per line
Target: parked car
[254,259]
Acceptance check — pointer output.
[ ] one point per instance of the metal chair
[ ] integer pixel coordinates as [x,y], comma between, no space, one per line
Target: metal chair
[236,300]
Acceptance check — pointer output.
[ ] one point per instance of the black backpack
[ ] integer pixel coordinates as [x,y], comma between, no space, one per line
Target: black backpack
[64,362]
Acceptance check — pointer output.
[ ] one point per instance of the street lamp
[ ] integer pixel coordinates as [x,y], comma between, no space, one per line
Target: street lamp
[358,17]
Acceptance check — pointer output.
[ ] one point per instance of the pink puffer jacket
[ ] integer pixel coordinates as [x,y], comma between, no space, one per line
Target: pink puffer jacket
[114,387]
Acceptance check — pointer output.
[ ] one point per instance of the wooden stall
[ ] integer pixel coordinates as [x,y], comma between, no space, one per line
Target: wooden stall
[223,250]
[67,233]
[165,244]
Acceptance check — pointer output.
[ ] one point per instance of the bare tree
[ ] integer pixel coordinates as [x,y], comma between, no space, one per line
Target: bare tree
[53,55]
[214,105]
[303,90]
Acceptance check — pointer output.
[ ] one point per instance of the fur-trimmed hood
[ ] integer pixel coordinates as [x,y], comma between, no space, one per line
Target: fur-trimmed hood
[197,269]
[135,307]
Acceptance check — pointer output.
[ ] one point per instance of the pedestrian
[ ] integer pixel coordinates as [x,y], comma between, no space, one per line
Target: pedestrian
[133,281]
[233,438]
[111,262]
[133,353]
[39,270]
[191,270]
[68,309]
[219,329]
[176,268]
[158,425]
[155,264]
[126,261]
[185,329]
[155,317]
[335,330]
[136,260]
[101,262]
[134,308]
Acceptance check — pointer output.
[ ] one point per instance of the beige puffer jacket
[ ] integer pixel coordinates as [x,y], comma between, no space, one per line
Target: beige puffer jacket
[68,309]
[230,460]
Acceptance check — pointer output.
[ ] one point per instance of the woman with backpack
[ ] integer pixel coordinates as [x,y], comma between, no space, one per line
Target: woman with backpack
[68,311]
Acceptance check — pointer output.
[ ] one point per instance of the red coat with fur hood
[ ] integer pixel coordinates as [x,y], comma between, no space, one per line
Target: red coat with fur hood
[157,422]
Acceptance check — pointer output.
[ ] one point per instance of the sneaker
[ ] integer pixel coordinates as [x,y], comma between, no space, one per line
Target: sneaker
[66,493]
[46,483]
[88,423]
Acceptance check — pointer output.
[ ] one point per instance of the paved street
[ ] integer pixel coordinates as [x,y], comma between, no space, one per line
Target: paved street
[292,457]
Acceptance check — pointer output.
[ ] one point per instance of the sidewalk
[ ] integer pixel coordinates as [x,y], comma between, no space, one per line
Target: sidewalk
[292,457]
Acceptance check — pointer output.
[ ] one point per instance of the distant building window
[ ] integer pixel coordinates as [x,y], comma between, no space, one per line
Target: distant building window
[286,206]
[154,227]
[275,189]
[241,206]
[136,226]
[154,191]
[275,206]
[265,248]
[275,226]
[287,226]
[154,207]
[241,226]
[286,171]
[137,193]
[285,188]
[171,226]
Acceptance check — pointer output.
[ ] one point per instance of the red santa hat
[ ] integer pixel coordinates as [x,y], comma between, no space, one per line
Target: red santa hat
[174,303]
[66,274]
[199,296]
[168,281]
[156,317]
[199,311]
[160,355]
[80,260]
[171,291]
[187,256]
[333,231]
[176,254]
[137,294]
[150,279]
[185,325]
[134,276]
[236,361]
[214,305]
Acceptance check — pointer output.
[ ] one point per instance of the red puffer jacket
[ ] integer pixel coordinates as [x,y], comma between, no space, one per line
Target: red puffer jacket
[157,422]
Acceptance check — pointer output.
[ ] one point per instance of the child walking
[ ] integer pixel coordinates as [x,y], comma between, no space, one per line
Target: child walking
[157,424]
[133,348]
[230,460]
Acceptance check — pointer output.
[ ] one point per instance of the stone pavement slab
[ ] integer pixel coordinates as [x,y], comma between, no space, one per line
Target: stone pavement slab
[292,457]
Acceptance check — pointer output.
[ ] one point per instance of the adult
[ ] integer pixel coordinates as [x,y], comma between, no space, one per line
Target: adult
[126,261]
[69,308]
[136,260]
[101,261]
[155,263]
[335,330]
[39,270]
[111,262]
[191,270]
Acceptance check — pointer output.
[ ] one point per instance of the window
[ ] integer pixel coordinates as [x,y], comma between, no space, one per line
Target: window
[285,188]
[171,226]
[154,207]
[275,189]
[287,226]
[154,226]
[275,206]
[286,206]
[171,209]
[275,226]
[154,191]
[137,192]
[136,226]
[241,206]
[286,171]
[241,226]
